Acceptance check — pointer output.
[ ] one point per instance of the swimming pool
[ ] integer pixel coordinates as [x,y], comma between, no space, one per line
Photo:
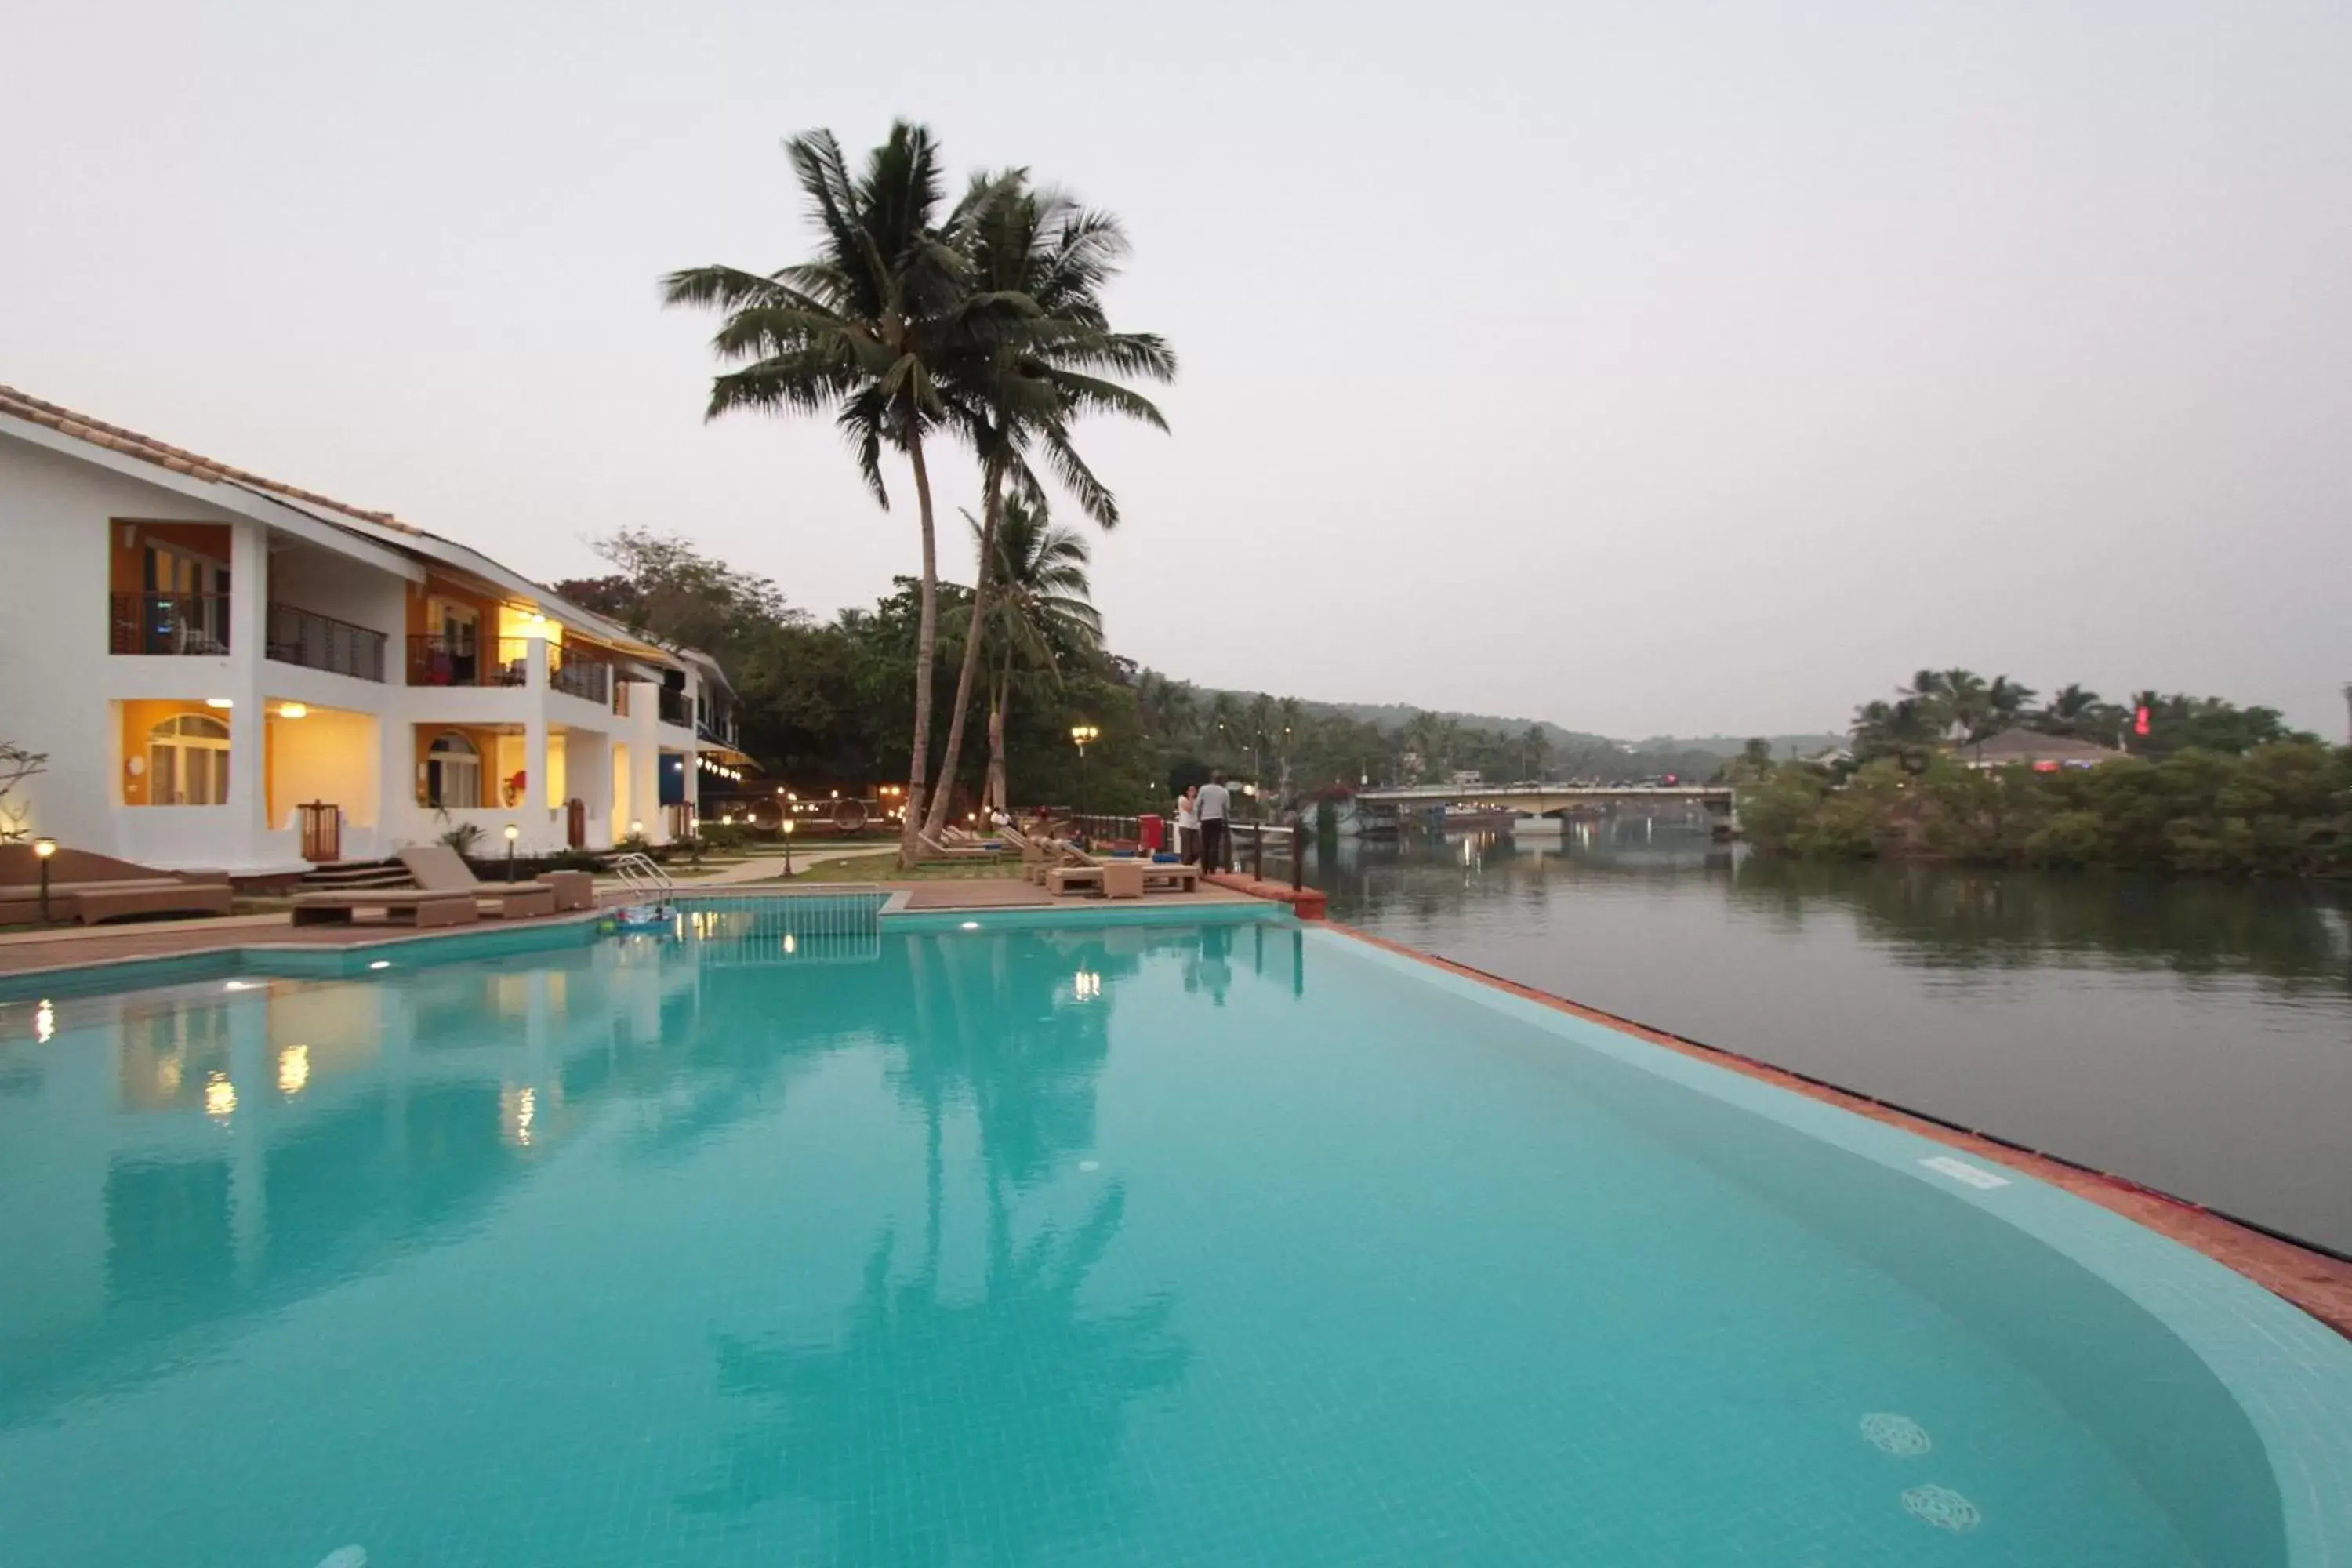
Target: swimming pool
[781,1240]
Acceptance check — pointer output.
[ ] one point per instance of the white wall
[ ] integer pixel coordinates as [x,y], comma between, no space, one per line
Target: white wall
[311,578]
[54,631]
[329,755]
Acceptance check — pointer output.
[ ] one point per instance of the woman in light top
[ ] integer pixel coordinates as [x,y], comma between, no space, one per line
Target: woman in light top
[1188,823]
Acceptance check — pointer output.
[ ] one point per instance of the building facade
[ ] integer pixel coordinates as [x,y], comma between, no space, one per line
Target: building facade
[214,663]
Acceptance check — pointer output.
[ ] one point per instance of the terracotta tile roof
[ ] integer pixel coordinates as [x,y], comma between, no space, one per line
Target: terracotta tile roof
[98,433]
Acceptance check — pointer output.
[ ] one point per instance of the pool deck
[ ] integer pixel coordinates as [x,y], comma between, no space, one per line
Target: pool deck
[71,947]
[2317,1282]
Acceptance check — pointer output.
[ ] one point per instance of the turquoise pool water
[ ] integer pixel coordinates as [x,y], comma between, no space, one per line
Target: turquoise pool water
[1120,1243]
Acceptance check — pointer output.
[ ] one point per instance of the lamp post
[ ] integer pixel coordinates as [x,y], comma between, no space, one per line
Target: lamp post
[1083,734]
[42,849]
[513,833]
[789,826]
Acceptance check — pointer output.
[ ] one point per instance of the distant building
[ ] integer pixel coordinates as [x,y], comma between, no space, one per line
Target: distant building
[2031,749]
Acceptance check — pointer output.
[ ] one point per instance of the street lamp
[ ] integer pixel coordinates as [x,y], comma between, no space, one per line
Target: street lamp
[789,826]
[1083,734]
[513,833]
[42,849]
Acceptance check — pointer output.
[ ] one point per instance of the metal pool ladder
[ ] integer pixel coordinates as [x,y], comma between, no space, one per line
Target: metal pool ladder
[646,882]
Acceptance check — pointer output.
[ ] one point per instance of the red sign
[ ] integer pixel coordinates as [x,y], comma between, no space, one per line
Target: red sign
[2140,720]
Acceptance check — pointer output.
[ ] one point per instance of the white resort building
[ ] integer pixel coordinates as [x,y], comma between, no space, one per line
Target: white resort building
[227,672]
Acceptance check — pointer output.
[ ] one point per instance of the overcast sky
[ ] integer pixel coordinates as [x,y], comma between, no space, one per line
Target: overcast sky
[1642,367]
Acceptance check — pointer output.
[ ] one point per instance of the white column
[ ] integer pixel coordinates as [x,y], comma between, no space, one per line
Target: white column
[644,760]
[248,727]
[588,776]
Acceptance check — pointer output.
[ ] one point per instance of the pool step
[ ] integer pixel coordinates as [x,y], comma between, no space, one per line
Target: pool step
[344,876]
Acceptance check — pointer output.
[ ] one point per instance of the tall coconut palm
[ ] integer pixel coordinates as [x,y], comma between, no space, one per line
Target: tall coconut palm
[2073,709]
[869,331]
[1041,616]
[1027,386]
[2006,701]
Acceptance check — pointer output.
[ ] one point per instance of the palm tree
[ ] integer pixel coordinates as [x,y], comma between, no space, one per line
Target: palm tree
[1224,717]
[2074,711]
[1968,701]
[1028,383]
[871,331]
[1040,616]
[2006,701]
[1179,709]
[1535,746]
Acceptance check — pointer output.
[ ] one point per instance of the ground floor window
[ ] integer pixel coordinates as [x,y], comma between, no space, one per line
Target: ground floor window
[187,761]
[453,773]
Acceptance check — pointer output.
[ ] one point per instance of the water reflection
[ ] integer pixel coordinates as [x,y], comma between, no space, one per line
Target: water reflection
[2190,1034]
[1038,1384]
[1931,915]
[185,1164]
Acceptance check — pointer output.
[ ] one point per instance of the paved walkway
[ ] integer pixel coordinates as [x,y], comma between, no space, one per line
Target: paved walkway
[765,868]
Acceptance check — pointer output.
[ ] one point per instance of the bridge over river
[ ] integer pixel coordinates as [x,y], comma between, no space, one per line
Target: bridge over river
[1720,802]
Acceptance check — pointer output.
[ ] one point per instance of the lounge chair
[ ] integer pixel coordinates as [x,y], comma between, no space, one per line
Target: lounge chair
[416,907]
[441,869]
[89,887]
[964,848]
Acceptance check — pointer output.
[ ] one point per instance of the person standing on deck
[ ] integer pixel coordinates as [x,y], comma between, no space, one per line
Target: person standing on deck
[1188,824]
[1214,806]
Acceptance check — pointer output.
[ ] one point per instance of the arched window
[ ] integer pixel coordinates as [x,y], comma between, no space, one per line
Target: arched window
[453,773]
[187,761]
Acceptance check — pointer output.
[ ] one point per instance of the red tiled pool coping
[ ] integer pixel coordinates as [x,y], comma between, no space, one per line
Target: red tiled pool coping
[2318,1283]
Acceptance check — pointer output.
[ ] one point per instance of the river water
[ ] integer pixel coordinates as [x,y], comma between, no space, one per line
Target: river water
[2192,1036]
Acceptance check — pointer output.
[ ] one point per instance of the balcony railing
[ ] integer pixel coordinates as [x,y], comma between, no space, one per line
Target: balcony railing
[676,710]
[440,660]
[718,728]
[171,624]
[581,673]
[321,642]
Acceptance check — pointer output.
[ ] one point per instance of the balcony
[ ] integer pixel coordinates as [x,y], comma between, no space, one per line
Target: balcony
[676,710]
[321,642]
[579,672]
[190,624]
[719,728]
[442,660]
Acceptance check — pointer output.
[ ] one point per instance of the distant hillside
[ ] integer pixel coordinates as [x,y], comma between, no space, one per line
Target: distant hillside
[1731,745]
[1397,715]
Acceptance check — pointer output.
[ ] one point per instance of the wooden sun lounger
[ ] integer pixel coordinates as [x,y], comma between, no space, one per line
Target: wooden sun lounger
[115,898]
[1122,877]
[441,869]
[400,906]
[955,848]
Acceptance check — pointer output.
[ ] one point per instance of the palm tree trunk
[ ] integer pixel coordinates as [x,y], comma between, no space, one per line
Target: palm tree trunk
[926,638]
[998,794]
[992,506]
